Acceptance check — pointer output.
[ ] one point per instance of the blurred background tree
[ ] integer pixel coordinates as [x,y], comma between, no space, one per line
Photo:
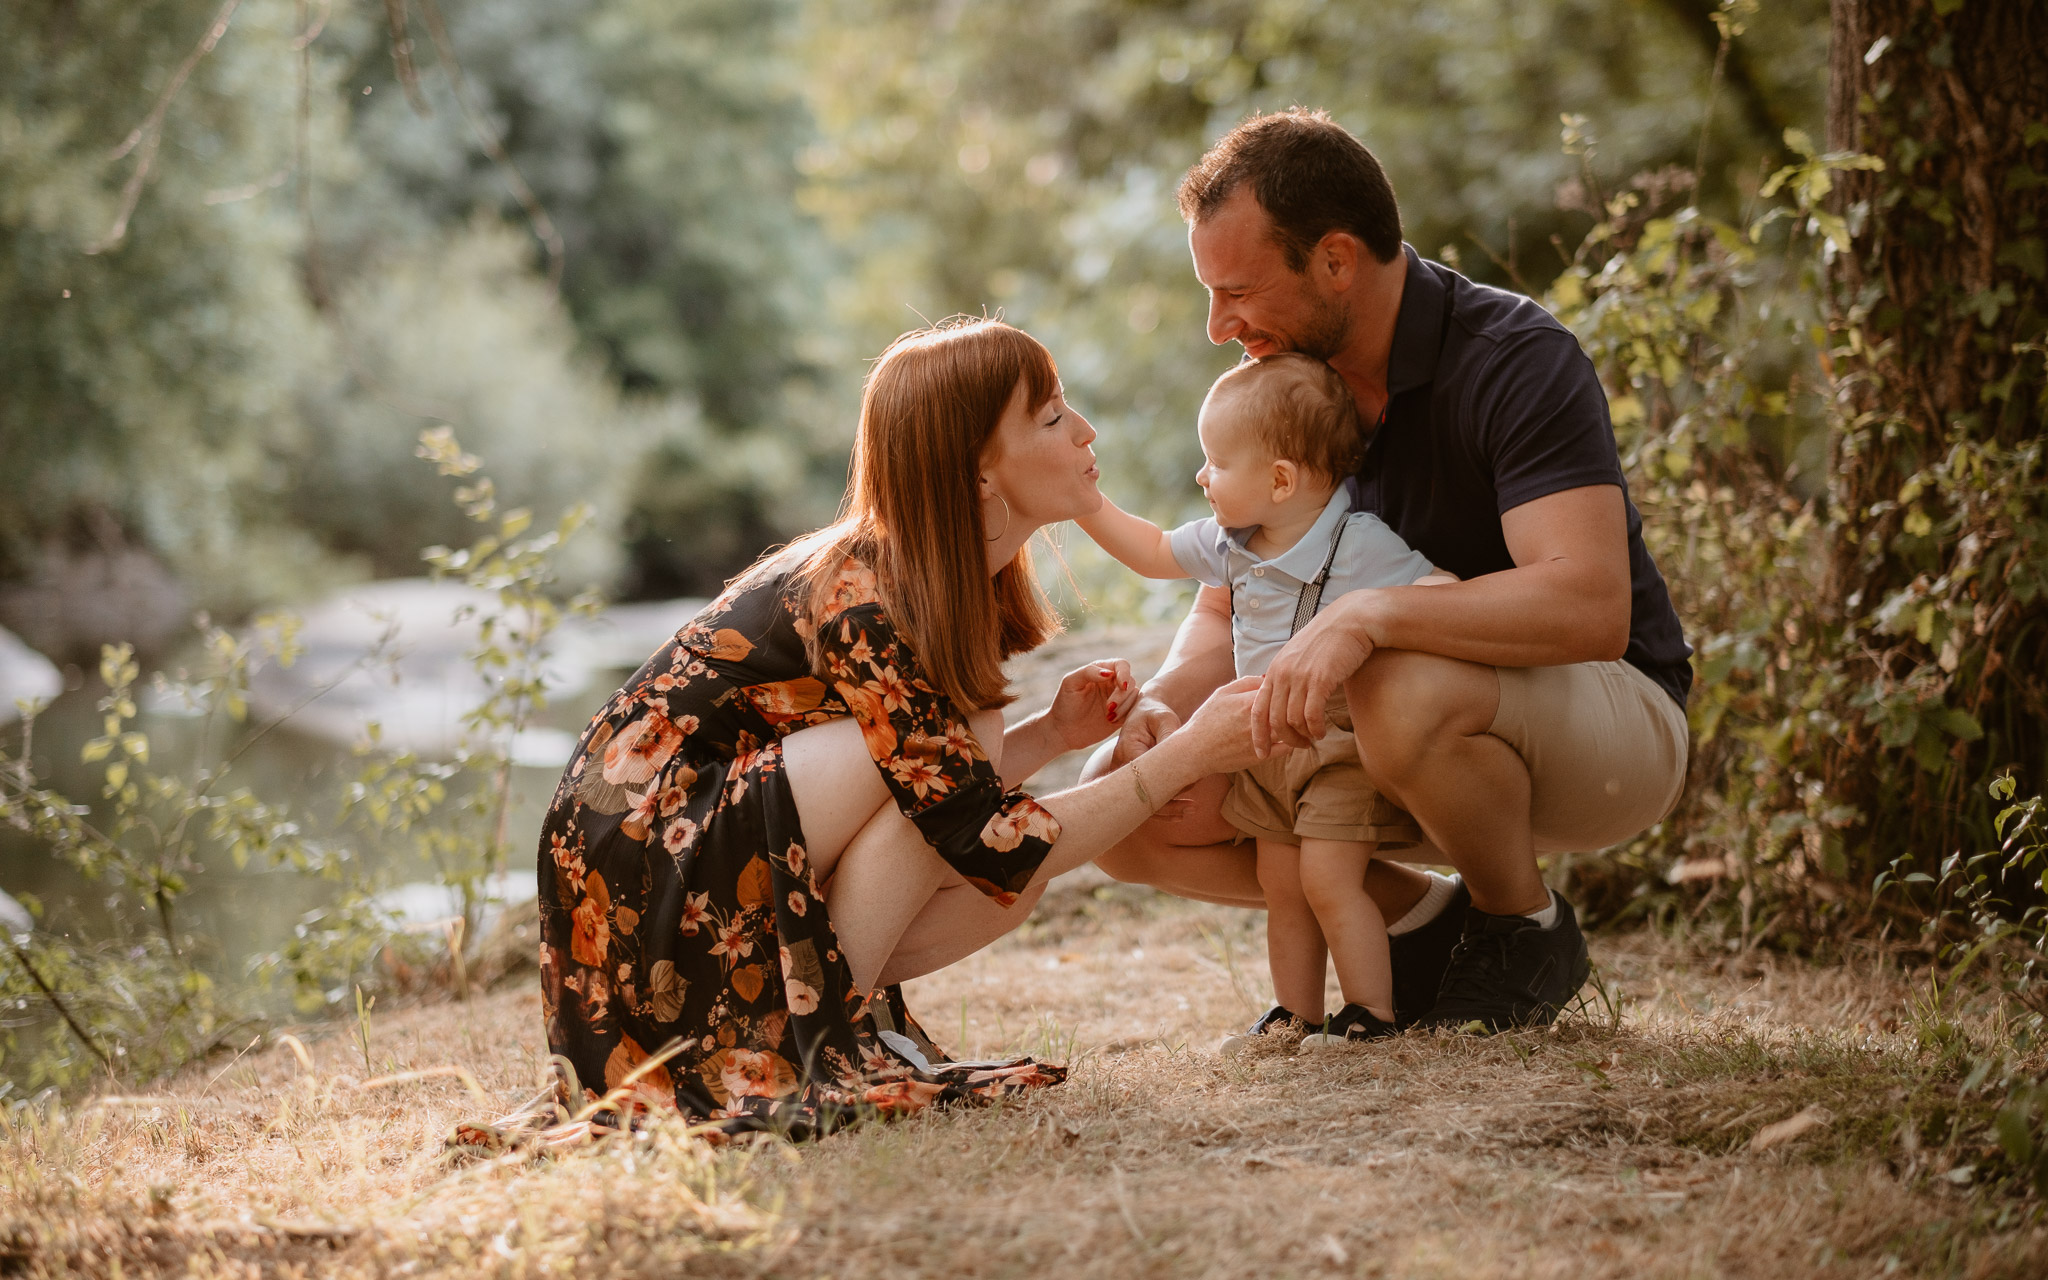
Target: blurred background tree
[1939,564]
[639,251]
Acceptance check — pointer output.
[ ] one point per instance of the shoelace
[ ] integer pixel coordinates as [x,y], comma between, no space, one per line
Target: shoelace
[1478,966]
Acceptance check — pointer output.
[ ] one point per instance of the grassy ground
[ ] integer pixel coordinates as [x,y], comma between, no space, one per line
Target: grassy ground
[1720,1115]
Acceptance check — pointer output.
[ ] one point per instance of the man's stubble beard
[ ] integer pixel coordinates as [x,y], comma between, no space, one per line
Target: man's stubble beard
[1326,329]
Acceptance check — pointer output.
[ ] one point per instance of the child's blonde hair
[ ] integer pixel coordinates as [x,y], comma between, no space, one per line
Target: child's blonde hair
[1299,409]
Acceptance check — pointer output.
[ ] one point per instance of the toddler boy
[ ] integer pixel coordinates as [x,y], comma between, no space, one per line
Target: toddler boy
[1279,435]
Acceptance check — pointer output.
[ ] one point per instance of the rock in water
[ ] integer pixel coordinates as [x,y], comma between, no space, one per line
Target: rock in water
[397,653]
[25,675]
[13,916]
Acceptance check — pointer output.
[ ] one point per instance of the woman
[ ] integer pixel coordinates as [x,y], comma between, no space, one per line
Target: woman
[809,796]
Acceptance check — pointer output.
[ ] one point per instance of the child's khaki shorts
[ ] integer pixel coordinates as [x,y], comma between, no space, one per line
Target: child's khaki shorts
[1316,793]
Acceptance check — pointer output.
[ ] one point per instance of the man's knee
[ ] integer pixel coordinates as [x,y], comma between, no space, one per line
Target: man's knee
[1403,703]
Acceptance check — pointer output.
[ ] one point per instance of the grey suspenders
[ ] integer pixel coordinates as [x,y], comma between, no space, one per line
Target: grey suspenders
[1311,598]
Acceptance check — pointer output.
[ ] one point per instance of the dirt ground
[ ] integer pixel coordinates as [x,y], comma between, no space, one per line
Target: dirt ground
[1709,1115]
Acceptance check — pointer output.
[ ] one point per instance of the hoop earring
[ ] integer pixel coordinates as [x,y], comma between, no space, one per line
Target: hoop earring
[1006,520]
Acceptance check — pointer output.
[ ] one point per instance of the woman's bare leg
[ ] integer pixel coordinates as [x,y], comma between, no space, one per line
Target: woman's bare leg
[898,909]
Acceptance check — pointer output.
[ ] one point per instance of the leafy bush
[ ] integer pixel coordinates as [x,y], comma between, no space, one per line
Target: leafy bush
[141,993]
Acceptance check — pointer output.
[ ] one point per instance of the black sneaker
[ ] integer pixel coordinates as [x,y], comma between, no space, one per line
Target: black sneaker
[1421,955]
[1354,1024]
[1279,1024]
[1508,971]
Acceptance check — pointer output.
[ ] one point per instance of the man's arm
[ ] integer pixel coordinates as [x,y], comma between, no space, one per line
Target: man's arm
[1565,601]
[1142,547]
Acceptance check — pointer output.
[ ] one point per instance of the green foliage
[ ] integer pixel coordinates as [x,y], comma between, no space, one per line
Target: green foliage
[1987,913]
[144,994]
[1938,494]
[978,157]
[143,997]
[1706,333]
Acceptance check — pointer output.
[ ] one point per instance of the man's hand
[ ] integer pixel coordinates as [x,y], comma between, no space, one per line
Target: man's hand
[1289,709]
[1145,725]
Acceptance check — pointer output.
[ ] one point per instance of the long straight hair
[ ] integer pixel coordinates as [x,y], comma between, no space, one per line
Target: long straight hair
[913,512]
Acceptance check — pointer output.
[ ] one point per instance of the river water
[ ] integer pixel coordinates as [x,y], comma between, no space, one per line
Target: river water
[417,694]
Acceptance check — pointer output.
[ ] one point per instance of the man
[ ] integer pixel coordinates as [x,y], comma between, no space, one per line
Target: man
[1536,706]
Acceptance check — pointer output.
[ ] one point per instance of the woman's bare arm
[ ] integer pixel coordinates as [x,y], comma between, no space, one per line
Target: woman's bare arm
[1096,815]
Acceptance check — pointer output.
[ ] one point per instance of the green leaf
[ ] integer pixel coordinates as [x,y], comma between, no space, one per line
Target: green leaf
[1961,724]
[2016,1133]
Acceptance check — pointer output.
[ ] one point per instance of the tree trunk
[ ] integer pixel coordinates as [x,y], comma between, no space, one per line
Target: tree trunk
[1939,574]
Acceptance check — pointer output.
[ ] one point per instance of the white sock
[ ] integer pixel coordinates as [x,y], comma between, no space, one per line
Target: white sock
[1546,917]
[1431,905]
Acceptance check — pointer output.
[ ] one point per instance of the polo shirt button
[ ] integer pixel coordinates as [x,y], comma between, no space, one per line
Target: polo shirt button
[1258,573]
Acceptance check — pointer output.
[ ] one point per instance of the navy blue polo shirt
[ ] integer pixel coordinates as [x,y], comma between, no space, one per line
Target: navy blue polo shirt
[1492,403]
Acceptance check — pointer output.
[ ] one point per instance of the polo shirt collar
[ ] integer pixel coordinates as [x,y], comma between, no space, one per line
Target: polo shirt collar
[1304,560]
[1418,327]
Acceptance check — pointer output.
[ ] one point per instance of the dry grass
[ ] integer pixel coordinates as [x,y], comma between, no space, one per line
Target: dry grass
[1600,1148]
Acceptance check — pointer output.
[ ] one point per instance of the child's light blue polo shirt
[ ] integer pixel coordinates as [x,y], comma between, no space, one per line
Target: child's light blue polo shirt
[1264,593]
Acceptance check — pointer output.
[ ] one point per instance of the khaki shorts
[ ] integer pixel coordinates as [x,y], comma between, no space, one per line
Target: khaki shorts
[1317,793]
[1606,749]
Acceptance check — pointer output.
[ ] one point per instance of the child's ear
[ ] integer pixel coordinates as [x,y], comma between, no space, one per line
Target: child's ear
[1286,479]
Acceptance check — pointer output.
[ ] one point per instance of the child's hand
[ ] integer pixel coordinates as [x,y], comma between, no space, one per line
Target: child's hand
[1091,703]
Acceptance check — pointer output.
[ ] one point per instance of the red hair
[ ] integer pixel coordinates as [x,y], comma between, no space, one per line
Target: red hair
[913,513]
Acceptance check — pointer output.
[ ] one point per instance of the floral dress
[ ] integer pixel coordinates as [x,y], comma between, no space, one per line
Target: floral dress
[679,911]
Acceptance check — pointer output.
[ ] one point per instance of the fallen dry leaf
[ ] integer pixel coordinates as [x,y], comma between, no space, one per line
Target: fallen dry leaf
[1789,1128]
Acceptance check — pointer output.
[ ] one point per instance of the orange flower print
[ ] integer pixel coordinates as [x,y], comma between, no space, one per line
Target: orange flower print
[591,933]
[673,797]
[753,1073]
[877,1061]
[796,858]
[1003,832]
[640,749]
[802,999]
[875,728]
[902,1097]
[1023,818]
[890,689]
[680,834]
[569,860]
[855,585]
[798,904]
[921,776]
[733,942]
[961,742]
[638,824]
[862,652]
[696,911]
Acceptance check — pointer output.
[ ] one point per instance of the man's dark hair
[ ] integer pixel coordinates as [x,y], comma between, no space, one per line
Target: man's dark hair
[1309,174]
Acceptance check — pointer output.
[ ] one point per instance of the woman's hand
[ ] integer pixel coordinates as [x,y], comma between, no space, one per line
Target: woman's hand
[1091,703]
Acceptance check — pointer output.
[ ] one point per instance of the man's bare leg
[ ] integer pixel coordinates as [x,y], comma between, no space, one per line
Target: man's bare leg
[1189,851]
[1422,722]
